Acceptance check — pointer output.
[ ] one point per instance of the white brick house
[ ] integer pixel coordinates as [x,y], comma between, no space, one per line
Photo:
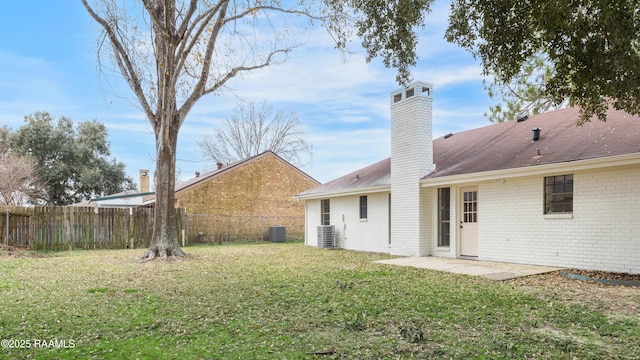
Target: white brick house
[536,191]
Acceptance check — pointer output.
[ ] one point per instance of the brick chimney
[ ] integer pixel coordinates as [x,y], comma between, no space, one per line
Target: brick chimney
[411,159]
[144,181]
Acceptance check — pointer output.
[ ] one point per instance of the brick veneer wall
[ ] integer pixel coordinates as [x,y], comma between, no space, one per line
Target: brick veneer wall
[411,158]
[603,233]
[262,186]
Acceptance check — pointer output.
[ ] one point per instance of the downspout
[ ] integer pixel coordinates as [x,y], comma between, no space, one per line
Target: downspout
[306,222]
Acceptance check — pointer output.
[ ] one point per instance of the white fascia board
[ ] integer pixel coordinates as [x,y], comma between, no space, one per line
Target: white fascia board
[546,169]
[346,192]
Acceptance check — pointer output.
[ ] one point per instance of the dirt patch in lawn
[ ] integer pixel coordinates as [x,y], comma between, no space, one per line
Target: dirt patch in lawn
[606,297]
[13,252]
[606,275]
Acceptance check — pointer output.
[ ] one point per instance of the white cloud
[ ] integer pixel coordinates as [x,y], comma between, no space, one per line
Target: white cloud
[343,102]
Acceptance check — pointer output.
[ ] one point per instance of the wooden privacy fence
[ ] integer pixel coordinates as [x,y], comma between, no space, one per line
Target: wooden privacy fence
[205,228]
[66,228]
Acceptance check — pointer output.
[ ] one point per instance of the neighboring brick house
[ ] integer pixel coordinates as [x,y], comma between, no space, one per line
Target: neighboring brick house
[235,201]
[260,186]
[539,190]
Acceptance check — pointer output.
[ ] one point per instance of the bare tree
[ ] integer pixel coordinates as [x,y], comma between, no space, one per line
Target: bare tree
[172,53]
[18,180]
[252,130]
[525,93]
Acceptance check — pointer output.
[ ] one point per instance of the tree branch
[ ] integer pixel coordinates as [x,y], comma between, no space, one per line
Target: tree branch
[255,9]
[233,72]
[199,88]
[123,61]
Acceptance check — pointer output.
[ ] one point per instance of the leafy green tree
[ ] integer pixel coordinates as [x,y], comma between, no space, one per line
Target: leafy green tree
[592,47]
[72,162]
[173,52]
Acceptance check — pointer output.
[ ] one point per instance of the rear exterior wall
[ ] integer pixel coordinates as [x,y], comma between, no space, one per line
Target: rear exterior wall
[602,233]
[351,232]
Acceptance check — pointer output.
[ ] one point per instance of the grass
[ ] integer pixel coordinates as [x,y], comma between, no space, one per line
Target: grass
[287,301]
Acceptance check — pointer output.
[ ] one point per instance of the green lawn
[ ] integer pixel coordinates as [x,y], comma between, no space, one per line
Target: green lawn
[288,301]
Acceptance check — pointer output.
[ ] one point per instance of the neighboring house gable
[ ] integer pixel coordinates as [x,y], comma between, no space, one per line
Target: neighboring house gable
[567,197]
[239,200]
[261,185]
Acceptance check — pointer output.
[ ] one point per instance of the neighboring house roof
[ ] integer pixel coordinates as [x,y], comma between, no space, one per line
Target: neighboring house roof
[508,145]
[133,198]
[212,174]
[129,198]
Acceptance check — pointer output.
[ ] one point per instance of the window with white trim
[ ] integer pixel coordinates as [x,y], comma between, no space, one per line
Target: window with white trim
[444,216]
[363,207]
[558,194]
[325,216]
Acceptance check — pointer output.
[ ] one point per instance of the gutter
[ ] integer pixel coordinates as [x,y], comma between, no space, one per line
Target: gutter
[110,197]
[345,192]
[588,164]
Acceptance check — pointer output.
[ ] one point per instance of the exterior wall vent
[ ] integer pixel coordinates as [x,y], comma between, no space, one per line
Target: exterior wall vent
[326,236]
[410,92]
[397,97]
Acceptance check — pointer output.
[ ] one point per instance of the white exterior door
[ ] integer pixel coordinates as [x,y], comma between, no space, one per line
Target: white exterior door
[469,222]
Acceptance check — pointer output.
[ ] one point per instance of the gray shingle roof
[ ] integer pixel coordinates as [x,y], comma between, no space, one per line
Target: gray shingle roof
[378,174]
[510,145]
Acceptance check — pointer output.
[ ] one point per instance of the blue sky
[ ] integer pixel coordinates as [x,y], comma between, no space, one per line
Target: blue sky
[48,62]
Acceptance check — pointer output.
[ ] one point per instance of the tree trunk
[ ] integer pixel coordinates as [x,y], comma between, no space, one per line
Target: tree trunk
[164,242]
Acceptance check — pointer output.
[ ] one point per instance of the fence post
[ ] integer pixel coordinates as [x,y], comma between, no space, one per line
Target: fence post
[7,239]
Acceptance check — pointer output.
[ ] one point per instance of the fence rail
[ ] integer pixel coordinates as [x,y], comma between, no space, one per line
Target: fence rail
[66,228]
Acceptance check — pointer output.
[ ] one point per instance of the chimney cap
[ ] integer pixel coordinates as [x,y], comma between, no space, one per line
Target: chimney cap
[416,88]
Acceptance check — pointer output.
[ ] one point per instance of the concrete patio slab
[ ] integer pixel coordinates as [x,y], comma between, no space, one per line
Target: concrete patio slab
[489,269]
